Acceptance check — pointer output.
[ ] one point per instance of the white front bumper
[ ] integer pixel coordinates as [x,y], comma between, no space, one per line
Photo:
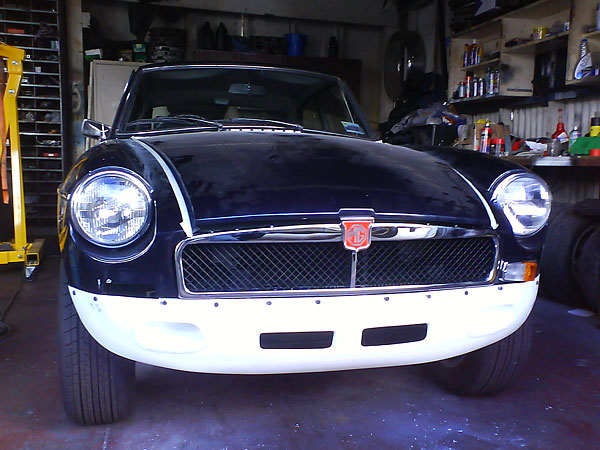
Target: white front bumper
[222,335]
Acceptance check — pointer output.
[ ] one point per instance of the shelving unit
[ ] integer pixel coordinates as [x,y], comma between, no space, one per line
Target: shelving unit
[516,63]
[34,26]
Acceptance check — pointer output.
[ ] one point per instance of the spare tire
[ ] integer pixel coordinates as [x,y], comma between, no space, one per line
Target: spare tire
[566,234]
[587,269]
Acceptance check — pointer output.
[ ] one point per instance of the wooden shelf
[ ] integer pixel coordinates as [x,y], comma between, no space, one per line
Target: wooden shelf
[489,62]
[541,45]
[592,34]
[482,99]
[585,81]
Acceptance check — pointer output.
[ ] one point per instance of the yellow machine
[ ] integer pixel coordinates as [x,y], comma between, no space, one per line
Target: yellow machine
[17,250]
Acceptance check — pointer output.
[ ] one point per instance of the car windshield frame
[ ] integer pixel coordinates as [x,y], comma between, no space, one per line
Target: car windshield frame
[124,110]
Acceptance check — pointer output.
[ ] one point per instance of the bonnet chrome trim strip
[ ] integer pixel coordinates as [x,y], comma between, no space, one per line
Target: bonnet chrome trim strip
[186,221]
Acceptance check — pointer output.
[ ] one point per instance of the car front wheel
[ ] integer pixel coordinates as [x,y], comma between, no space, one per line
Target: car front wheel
[97,386]
[487,370]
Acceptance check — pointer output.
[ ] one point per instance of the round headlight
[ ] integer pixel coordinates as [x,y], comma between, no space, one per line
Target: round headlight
[525,200]
[111,207]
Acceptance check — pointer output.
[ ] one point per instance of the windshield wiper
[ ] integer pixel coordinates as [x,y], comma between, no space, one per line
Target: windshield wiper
[278,123]
[182,118]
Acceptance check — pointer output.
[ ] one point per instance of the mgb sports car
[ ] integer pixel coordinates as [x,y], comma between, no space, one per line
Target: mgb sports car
[245,220]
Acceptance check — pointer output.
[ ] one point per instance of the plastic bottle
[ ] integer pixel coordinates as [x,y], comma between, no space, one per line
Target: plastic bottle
[573,135]
[584,64]
[560,132]
[475,51]
[472,52]
[486,138]
[498,146]
[489,87]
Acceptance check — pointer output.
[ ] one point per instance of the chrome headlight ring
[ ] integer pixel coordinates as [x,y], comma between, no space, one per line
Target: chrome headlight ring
[111,207]
[525,200]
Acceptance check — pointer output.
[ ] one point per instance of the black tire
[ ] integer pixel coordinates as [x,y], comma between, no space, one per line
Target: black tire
[587,269]
[487,370]
[562,248]
[97,386]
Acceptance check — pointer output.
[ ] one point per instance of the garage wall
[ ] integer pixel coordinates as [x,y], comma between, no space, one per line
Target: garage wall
[356,41]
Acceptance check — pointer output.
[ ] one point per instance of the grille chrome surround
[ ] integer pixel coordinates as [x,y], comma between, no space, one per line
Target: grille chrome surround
[325,243]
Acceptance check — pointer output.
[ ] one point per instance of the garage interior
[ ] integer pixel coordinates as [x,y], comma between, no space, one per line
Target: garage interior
[429,72]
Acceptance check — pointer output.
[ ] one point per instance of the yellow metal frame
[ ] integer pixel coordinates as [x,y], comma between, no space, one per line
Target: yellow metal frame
[22,251]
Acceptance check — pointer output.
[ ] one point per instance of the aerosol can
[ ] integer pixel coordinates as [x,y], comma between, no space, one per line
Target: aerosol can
[486,138]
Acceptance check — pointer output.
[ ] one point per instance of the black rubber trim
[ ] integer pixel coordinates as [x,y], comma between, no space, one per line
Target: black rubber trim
[301,340]
[394,335]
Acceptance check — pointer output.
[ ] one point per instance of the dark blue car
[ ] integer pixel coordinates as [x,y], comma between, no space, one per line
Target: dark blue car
[244,220]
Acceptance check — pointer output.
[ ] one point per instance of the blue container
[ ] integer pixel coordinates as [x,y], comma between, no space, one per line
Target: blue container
[295,44]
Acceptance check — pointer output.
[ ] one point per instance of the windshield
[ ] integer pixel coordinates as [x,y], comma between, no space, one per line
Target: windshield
[220,97]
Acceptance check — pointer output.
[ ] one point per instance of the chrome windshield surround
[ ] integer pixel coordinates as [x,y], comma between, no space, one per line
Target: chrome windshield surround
[331,233]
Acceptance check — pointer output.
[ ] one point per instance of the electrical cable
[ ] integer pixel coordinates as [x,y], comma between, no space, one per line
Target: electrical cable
[5,329]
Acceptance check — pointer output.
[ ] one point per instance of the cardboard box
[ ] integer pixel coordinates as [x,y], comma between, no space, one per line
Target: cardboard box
[498,132]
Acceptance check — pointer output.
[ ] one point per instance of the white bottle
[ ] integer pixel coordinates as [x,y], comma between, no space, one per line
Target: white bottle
[584,64]
[574,135]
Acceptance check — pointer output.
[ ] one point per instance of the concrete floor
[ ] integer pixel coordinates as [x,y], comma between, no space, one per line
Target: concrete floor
[554,405]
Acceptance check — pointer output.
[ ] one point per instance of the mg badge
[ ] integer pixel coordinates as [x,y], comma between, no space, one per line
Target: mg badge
[357,233]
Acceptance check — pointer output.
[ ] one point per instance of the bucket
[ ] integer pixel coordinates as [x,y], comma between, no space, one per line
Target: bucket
[295,44]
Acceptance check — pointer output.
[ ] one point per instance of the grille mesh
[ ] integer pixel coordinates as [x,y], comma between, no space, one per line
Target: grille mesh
[433,261]
[265,267]
[239,267]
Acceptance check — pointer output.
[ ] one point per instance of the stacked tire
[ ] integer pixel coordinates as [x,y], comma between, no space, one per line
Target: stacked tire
[570,264]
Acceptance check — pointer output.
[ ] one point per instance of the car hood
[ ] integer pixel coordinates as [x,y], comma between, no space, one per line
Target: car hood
[248,174]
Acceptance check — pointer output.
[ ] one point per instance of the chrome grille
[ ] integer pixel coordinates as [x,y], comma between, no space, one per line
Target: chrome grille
[249,266]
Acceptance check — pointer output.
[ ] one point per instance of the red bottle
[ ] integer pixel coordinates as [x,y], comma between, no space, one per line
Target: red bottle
[560,132]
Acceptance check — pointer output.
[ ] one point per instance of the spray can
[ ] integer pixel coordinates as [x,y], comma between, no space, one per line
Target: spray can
[469,85]
[486,138]
[461,90]
[480,87]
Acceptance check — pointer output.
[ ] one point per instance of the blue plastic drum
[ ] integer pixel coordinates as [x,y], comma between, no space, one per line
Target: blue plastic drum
[295,44]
